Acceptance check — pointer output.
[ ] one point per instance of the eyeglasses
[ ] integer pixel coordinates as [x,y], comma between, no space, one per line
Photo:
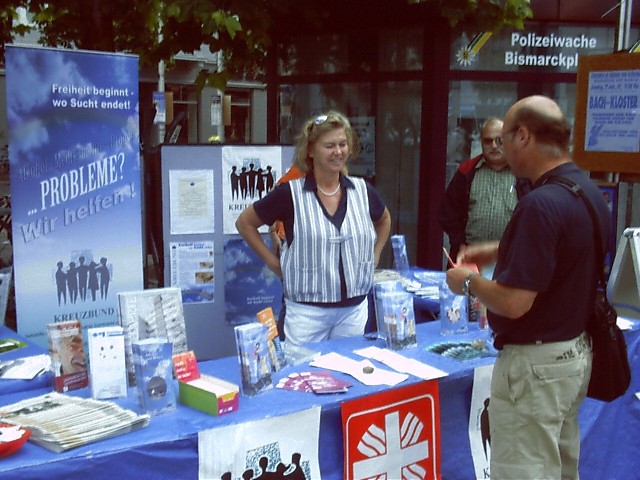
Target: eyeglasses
[488,141]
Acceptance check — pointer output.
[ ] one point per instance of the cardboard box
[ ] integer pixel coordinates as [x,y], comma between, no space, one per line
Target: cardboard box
[203,392]
[210,395]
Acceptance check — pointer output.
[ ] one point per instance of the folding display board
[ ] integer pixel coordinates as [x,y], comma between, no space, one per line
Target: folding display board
[223,283]
[606,136]
[623,288]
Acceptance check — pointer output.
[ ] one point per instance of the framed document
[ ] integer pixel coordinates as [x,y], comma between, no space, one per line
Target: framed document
[606,136]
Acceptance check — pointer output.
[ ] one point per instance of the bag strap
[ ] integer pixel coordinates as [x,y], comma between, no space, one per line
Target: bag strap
[576,189]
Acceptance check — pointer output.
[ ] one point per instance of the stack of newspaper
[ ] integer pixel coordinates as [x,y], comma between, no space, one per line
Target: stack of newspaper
[60,422]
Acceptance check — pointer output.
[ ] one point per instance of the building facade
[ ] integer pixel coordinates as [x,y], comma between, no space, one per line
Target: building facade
[419,90]
[416,89]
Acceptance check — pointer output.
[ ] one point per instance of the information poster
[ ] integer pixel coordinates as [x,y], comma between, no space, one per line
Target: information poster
[160,106]
[249,173]
[191,201]
[613,113]
[192,270]
[74,153]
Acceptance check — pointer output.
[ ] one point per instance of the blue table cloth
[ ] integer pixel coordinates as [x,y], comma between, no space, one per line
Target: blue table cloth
[168,447]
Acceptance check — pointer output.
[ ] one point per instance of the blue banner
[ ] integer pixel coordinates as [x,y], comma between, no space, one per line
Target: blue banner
[74,156]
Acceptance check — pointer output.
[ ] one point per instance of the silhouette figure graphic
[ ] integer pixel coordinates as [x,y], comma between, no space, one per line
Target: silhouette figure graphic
[252,174]
[260,183]
[269,180]
[93,280]
[61,283]
[244,182]
[83,276]
[298,472]
[235,183]
[266,473]
[484,427]
[72,282]
[247,474]
[104,276]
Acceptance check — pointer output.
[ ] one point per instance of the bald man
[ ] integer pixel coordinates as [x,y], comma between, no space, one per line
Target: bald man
[539,300]
[481,195]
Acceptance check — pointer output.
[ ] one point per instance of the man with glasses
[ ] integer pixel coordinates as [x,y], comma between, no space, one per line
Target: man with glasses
[481,196]
[539,299]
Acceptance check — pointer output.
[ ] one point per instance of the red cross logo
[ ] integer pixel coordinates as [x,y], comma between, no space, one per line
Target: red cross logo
[394,434]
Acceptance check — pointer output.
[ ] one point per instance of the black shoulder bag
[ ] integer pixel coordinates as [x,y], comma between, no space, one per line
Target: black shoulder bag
[610,373]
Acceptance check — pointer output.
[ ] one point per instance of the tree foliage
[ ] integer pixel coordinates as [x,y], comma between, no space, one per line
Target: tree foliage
[484,15]
[239,29]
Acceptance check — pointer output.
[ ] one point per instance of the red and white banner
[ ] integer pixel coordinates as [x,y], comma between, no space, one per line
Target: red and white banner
[393,434]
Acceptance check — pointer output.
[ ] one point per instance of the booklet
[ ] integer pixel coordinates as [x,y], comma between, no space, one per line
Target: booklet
[253,353]
[153,363]
[276,352]
[68,359]
[316,382]
[152,313]
[108,371]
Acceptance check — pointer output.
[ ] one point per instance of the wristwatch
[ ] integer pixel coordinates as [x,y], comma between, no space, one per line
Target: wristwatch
[467,283]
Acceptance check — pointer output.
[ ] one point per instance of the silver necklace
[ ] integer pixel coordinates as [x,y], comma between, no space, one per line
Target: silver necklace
[329,194]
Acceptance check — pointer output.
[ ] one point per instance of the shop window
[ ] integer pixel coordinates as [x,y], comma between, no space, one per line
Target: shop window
[400,50]
[183,128]
[238,127]
[397,172]
[471,103]
[300,102]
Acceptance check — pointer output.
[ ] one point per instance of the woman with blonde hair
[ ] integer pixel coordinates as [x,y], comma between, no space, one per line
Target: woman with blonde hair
[335,229]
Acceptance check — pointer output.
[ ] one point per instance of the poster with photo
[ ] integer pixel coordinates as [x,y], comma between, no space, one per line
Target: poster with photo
[74,153]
